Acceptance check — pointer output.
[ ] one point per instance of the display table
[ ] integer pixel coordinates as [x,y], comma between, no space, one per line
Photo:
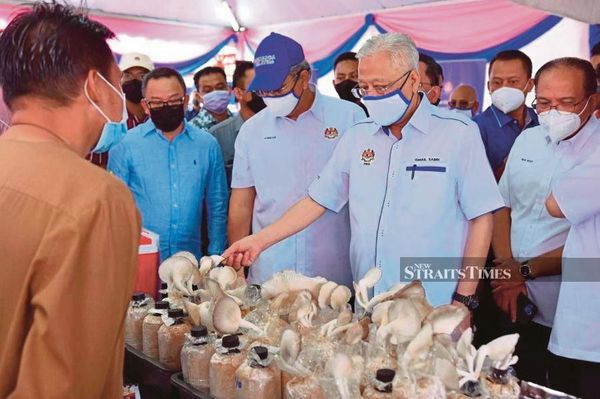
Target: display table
[152,378]
[185,390]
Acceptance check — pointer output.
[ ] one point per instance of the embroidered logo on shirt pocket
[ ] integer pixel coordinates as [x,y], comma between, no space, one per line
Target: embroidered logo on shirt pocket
[368,156]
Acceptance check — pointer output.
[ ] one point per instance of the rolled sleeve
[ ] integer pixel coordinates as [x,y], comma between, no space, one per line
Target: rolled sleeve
[217,196]
[478,192]
[504,184]
[574,190]
[331,187]
[242,174]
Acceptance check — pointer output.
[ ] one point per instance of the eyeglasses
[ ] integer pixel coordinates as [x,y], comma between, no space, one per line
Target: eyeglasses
[279,92]
[563,106]
[360,92]
[460,104]
[157,104]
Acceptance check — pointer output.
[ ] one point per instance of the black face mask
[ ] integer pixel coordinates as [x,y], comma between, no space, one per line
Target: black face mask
[256,104]
[133,90]
[344,90]
[167,118]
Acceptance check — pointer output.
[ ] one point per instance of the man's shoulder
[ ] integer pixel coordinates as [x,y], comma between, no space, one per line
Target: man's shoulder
[484,117]
[227,125]
[201,135]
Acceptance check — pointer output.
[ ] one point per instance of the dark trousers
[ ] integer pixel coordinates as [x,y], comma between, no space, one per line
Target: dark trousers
[575,377]
[534,356]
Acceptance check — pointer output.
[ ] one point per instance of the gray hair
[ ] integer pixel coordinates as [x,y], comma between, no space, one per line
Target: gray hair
[399,46]
[302,66]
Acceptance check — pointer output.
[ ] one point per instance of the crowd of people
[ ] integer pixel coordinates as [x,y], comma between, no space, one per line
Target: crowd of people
[381,176]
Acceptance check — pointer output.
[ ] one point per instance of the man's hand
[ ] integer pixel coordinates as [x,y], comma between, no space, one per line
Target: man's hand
[506,292]
[243,252]
[465,324]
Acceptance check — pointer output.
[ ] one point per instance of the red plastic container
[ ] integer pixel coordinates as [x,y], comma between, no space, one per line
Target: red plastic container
[146,279]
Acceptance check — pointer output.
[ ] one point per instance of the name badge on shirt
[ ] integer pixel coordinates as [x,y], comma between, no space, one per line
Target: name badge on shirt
[368,156]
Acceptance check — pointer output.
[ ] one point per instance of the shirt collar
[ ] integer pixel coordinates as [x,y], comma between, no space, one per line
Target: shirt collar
[149,127]
[420,119]
[588,130]
[504,119]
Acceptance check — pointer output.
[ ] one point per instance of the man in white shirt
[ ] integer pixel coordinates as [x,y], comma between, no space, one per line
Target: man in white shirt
[566,99]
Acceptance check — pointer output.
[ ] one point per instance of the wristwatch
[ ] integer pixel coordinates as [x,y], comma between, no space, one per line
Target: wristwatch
[470,301]
[525,270]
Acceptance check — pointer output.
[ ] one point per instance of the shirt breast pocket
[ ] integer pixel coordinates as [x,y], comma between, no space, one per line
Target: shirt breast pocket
[426,184]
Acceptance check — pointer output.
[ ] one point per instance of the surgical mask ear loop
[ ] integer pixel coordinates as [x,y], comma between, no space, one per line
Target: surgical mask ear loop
[4,123]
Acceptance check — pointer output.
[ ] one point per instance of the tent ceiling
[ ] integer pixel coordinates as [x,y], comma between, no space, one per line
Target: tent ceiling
[249,13]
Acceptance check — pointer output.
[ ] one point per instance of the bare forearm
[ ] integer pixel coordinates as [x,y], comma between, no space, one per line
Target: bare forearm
[501,234]
[548,264]
[296,219]
[476,250]
[239,223]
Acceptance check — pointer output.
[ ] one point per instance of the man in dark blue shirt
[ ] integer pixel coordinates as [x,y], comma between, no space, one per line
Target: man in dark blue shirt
[500,124]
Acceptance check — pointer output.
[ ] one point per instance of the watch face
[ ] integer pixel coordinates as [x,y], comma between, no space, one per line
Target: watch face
[473,303]
[525,270]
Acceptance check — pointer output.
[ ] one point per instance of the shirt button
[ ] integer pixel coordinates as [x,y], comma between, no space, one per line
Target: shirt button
[174,185]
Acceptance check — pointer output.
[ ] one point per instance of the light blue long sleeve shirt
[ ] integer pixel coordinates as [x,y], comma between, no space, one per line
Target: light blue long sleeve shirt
[170,180]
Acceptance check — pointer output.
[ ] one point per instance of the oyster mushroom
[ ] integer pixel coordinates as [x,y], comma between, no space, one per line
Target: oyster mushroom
[179,273]
[193,311]
[444,319]
[290,281]
[340,297]
[369,280]
[501,349]
[404,324]
[341,368]
[225,276]
[380,313]
[325,294]
[418,346]
[206,263]
[189,256]
[227,317]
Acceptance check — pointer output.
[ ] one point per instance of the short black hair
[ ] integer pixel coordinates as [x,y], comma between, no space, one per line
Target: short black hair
[595,50]
[510,55]
[347,56]
[207,71]
[163,72]
[48,52]
[433,70]
[590,84]
[240,70]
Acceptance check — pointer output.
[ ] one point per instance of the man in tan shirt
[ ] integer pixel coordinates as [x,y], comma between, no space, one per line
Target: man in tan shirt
[68,230]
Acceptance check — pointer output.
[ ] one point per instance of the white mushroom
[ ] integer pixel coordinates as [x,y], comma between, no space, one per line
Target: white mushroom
[193,311]
[444,319]
[189,256]
[340,297]
[341,368]
[206,263]
[380,313]
[225,276]
[227,317]
[325,294]
[501,349]
[404,323]
[290,281]
[369,280]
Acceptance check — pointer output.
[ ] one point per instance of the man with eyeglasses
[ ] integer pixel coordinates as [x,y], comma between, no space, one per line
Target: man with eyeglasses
[134,67]
[463,100]
[500,124]
[173,168]
[528,242]
[432,78]
[566,99]
[416,193]
[278,153]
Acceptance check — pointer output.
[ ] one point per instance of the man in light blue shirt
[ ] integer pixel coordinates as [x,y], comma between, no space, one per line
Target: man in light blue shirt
[566,100]
[278,153]
[413,189]
[172,168]
[528,243]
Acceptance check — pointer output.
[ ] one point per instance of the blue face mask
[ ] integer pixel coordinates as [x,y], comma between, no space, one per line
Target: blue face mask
[113,132]
[388,109]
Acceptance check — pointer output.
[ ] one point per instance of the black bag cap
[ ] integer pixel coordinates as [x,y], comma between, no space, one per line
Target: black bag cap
[231,341]
[261,351]
[173,313]
[138,296]
[385,375]
[194,287]
[163,295]
[163,286]
[199,331]
[161,305]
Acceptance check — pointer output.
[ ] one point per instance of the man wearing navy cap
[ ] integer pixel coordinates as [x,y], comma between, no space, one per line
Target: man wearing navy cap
[278,153]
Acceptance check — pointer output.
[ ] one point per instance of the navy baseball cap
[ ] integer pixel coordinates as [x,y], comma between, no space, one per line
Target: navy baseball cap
[274,58]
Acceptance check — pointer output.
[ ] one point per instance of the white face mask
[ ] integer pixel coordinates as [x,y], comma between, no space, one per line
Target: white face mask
[507,99]
[560,124]
[466,112]
[282,106]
